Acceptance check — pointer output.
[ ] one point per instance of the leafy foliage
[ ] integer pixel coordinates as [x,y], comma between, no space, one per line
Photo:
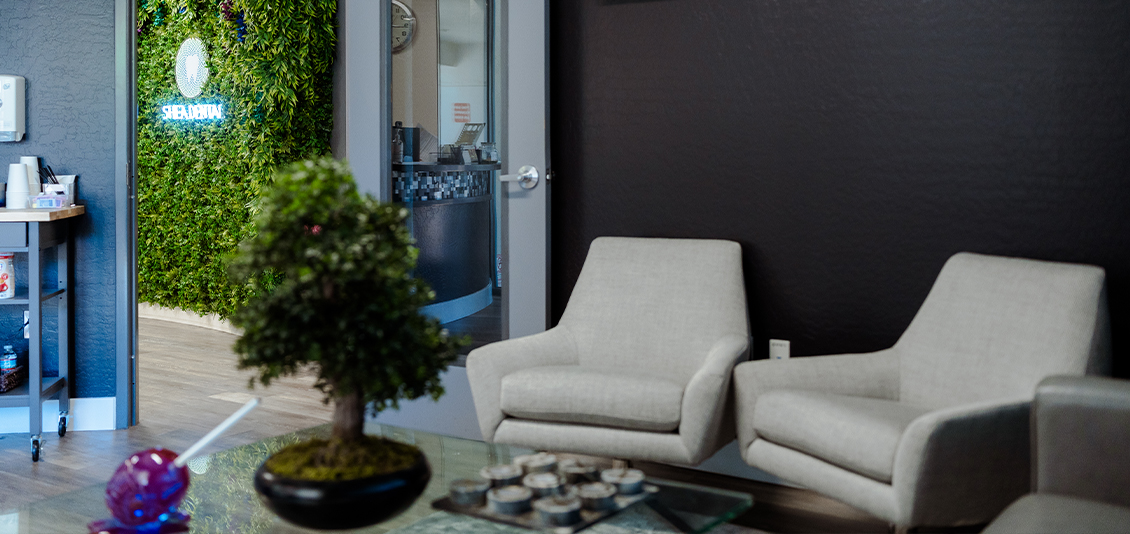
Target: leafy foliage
[270,64]
[345,300]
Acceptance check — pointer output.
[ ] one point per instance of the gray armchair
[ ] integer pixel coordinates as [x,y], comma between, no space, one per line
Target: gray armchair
[1081,481]
[639,366]
[934,430]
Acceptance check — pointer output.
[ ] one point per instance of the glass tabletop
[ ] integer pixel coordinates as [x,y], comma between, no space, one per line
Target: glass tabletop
[221,498]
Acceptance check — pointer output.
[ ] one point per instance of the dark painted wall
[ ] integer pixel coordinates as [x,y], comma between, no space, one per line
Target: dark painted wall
[850,147]
[66,52]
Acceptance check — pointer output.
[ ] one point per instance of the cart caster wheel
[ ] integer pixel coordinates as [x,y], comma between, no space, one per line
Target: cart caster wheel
[35,450]
[62,426]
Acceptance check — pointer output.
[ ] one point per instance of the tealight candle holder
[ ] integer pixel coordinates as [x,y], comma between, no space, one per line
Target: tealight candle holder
[627,481]
[541,462]
[575,472]
[510,500]
[543,484]
[596,496]
[502,475]
[559,510]
[467,492]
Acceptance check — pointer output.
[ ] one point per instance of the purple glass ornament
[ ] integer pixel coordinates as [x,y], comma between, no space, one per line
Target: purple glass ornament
[144,493]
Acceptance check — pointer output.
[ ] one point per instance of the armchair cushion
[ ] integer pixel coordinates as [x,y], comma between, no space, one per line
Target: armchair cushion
[856,433]
[874,374]
[593,396]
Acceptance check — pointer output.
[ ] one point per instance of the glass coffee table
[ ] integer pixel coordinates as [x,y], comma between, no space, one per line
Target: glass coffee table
[221,498]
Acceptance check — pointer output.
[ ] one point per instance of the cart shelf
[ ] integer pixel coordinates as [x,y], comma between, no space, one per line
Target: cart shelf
[32,232]
[20,396]
[21,298]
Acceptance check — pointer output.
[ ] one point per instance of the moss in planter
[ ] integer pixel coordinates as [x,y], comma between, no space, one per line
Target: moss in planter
[335,460]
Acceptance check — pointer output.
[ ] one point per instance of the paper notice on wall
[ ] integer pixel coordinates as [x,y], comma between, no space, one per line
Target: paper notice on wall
[462,112]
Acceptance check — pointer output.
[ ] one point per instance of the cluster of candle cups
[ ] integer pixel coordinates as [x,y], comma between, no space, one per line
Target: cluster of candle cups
[556,491]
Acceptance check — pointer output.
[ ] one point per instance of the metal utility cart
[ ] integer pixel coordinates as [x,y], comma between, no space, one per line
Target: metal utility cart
[32,231]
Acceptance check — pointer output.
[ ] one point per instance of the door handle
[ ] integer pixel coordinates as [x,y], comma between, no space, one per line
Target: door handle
[527,177]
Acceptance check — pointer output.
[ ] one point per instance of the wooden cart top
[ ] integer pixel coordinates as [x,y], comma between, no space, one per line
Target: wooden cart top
[40,214]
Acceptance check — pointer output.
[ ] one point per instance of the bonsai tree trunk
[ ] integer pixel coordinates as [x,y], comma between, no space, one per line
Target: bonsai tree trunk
[349,417]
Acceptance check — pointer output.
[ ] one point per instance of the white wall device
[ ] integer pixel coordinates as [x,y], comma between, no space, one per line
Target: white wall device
[11,108]
[778,349]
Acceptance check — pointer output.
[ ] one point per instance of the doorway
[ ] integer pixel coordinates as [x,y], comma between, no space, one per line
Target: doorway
[450,69]
[514,112]
[518,125]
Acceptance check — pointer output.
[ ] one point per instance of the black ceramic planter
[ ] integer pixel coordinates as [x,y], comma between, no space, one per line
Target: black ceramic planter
[342,505]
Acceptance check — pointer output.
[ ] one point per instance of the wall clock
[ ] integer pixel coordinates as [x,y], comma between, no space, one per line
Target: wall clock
[403,26]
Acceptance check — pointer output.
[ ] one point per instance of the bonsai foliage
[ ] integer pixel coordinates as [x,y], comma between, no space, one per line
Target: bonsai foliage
[332,275]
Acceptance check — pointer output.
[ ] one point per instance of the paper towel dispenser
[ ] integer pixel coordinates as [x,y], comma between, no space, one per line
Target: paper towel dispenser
[11,108]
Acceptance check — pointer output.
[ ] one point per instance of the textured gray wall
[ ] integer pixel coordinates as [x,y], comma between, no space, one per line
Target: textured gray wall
[849,146]
[66,52]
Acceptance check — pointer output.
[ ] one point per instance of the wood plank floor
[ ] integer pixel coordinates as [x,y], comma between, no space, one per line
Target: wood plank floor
[484,326]
[188,383]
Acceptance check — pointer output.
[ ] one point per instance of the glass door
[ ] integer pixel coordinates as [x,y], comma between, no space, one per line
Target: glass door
[468,111]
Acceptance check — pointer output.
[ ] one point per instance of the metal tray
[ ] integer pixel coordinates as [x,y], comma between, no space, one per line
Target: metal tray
[530,519]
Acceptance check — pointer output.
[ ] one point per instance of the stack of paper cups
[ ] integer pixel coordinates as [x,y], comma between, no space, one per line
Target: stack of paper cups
[33,187]
[17,186]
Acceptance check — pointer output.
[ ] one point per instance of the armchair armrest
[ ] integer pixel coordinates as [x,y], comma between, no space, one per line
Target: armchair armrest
[487,365]
[873,374]
[967,462]
[705,423]
[1082,430]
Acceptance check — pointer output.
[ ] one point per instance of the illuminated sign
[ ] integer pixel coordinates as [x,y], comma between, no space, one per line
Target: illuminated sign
[192,74]
[192,67]
[193,112]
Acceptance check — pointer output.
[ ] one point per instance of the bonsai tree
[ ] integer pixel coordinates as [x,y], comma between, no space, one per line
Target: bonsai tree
[334,291]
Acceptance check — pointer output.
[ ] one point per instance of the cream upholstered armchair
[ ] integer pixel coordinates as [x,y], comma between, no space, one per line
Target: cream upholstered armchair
[639,366]
[1081,476]
[933,431]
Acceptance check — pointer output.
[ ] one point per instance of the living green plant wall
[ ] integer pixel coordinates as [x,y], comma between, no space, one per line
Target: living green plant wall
[270,68]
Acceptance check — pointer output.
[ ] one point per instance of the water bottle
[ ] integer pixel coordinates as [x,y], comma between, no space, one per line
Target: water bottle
[8,360]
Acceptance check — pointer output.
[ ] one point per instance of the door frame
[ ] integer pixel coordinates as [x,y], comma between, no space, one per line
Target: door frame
[125,213]
[362,139]
[518,321]
[522,246]
[358,113]
[359,110]
[454,413]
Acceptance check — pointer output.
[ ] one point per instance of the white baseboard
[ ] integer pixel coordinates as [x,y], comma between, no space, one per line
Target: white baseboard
[177,315]
[92,413]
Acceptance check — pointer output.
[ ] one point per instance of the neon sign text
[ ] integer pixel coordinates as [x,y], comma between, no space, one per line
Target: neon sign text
[194,112]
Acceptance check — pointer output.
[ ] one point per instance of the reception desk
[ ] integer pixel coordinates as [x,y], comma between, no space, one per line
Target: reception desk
[451,222]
